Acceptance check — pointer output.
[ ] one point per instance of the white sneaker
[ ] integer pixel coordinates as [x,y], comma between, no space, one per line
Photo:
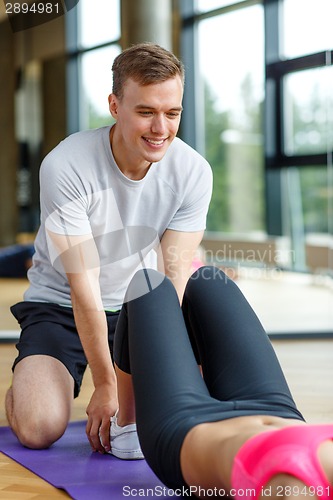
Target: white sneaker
[124,441]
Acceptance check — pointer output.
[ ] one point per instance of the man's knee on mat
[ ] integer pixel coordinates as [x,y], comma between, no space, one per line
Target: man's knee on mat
[34,433]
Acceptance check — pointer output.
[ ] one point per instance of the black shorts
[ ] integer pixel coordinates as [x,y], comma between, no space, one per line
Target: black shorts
[50,329]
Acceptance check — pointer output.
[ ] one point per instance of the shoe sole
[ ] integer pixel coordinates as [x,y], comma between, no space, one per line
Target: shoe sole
[127,455]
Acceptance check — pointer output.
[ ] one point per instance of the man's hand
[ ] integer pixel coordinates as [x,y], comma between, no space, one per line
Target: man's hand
[102,406]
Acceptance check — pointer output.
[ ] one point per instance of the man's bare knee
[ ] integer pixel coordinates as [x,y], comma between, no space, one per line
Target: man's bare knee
[40,434]
[38,411]
[35,433]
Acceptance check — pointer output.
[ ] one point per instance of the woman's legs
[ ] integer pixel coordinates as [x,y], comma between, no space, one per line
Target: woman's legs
[152,343]
[237,358]
[171,397]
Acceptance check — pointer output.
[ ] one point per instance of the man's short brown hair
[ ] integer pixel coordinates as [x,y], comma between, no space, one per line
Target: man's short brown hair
[145,63]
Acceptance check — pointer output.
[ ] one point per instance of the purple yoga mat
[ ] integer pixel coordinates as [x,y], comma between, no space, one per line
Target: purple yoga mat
[70,465]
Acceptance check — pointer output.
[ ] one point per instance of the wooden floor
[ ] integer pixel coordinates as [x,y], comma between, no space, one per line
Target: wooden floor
[308,365]
[16,482]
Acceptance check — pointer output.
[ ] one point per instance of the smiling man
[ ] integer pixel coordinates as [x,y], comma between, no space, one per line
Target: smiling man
[113,200]
[148,119]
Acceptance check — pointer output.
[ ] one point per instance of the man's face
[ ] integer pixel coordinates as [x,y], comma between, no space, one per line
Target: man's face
[148,119]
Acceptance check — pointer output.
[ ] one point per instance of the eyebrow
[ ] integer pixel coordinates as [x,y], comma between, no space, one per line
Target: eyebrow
[144,106]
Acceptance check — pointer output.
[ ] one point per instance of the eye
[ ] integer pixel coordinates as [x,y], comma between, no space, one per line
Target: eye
[145,113]
[173,114]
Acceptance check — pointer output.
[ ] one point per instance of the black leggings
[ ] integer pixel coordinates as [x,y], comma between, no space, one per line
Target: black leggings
[158,343]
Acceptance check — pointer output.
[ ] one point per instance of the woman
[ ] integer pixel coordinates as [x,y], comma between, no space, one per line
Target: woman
[235,428]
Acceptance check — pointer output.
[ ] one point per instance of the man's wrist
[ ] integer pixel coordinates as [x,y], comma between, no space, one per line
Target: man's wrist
[106,380]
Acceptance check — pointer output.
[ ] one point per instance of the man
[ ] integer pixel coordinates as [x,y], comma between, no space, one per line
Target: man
[113,200]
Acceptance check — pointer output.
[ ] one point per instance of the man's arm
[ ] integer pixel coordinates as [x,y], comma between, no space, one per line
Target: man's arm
[79,257]
[178,250]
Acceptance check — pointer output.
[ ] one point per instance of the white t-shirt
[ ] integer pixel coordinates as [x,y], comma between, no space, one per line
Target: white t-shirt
[83,192]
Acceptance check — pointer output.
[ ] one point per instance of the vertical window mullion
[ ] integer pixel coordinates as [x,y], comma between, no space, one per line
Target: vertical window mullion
[273,121]
[73,98]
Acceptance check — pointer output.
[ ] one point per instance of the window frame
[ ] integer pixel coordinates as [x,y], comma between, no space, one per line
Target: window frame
[74,52]
[276,68]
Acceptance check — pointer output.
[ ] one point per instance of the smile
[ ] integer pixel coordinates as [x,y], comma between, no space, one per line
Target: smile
[155,142]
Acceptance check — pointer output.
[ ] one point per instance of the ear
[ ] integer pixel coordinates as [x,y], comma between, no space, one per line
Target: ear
[113,105]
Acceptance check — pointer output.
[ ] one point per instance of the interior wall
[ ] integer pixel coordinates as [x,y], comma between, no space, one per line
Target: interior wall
[8,145]
[41,47]
[54,102]
[41,43]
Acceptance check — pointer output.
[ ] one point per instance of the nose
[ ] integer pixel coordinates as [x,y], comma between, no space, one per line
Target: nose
[158,125]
